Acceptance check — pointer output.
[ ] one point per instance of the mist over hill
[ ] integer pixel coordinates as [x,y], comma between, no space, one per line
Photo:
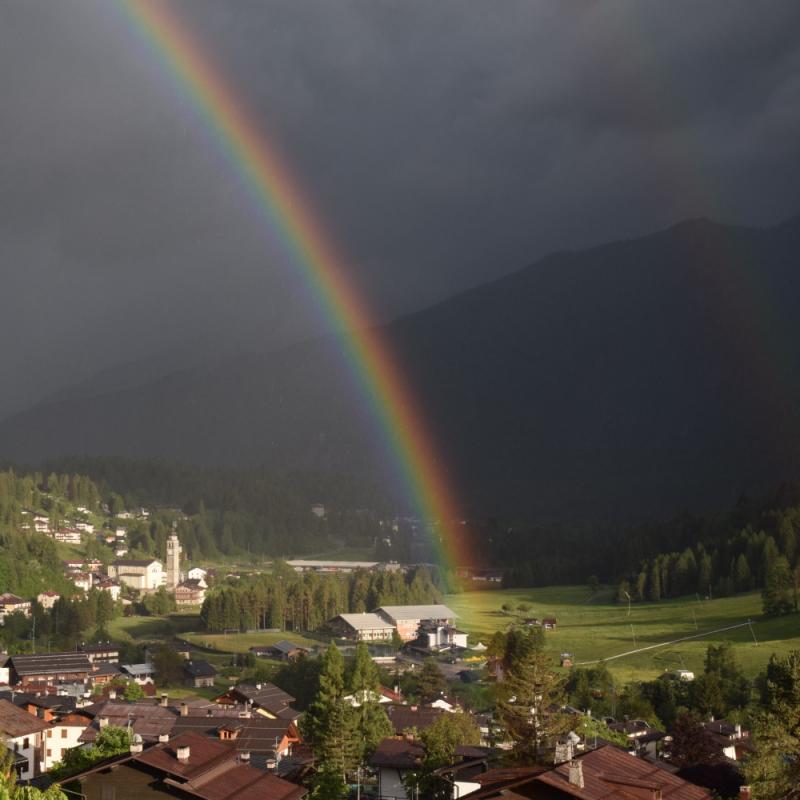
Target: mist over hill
[638,377]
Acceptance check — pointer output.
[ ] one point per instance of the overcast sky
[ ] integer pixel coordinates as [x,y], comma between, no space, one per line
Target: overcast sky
[442,143]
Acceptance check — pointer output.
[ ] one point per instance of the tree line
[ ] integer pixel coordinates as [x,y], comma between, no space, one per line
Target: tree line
[287,599]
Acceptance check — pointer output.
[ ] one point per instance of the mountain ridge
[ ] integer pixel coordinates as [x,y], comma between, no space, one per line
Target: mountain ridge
[632,377]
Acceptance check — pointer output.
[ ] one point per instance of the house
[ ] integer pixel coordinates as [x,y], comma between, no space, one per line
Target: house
[11,604]
[733,741]
[199,674]
[82,580]
[101,651]
[607,773]
[144,575]
[112,587]
[67,535]
[49,668]
[198,574]
[47,599]
[407,619]
[283,651]
[549,623]
[394,759]
[188,766]
[644,739]
[318,510]
[362,627]
[191,592]
[41,523]
[63,735]
[441,637]
[148,719]
[141,673]
[407,718]
[265,740]
[566,659]
[684,674]
[23,734]
[265,698]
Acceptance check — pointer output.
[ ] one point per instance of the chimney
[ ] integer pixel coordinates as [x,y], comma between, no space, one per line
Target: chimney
[738,731]
[136,744]
[576,774]
[184,710]
[244,757]
[164,700]
[745,792]
[112,693]
[183,753]
[163,738]
[102,722]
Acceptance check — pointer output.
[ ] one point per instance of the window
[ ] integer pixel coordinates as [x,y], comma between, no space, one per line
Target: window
[49,734]
[63,733]
[49,753]
[26,743]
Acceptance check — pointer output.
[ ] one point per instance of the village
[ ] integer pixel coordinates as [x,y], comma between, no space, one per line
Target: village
[211,738]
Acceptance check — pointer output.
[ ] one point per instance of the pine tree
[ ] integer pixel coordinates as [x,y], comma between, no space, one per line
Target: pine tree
[329,725]
[774,768]
[526,699]
[365,687]
[778,592]
[431,681]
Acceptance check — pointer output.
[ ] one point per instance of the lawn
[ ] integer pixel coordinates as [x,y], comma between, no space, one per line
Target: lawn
[592,627]
[152,628]
[242,642]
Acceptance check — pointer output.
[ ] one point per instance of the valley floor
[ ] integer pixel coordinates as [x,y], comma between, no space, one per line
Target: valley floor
[594,627]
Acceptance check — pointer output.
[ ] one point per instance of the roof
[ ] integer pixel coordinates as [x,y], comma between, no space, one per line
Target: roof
[418,612]
[257,734]
[285,646]
[99,647]
[611,774]
[405,717]
[264,695]
[51,662]
[199,669]
[190,583]
[11,599]
[397,754]
[136,562]
[365,621]
[16,722]
[139,669]
[146,719]
[211,772]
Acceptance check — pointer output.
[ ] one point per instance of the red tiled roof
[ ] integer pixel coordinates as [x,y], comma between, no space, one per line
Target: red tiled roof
[16,722]
[610,774]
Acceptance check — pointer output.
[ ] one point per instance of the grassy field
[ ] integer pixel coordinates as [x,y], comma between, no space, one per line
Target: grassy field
[147,629]
[596,628]
[242,642]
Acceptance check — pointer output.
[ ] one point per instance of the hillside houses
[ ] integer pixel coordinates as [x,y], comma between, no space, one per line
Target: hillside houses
[12,604]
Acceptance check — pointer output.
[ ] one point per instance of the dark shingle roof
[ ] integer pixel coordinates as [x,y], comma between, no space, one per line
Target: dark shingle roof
[199,669]
[50,663]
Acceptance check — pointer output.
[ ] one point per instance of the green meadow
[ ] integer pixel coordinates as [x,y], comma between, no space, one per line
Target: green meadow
[594,627]
[242,642]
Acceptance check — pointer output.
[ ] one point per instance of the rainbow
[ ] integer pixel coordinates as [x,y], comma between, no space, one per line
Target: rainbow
[282,207]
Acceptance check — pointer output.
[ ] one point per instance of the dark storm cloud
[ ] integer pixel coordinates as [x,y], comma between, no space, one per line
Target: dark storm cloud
[443,143]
